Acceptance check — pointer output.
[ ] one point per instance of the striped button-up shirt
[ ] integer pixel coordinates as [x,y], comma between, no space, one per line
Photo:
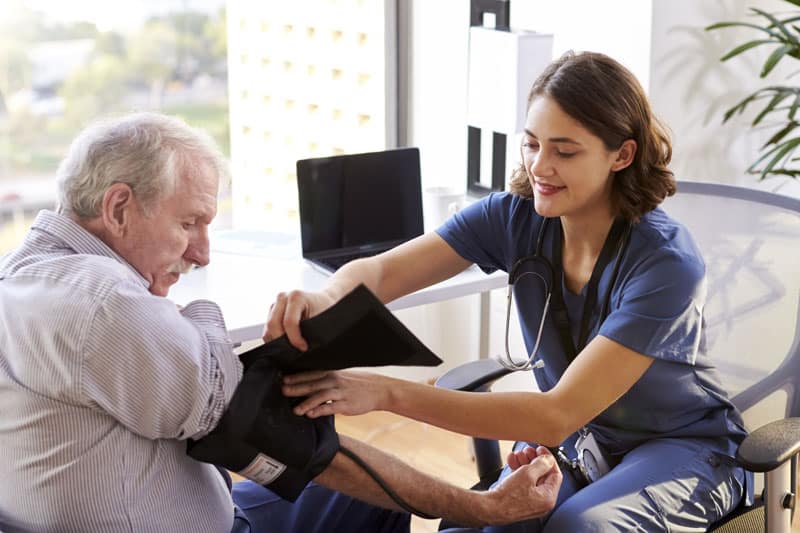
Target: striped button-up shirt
[101,382]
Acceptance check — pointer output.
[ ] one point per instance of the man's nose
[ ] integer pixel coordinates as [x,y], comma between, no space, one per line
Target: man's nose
[198,251]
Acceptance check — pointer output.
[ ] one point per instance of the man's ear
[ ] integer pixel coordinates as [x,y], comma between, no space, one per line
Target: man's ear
[625,155]
[116,209]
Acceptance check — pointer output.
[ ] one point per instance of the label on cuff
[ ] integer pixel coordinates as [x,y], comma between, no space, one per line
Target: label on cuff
[263,469]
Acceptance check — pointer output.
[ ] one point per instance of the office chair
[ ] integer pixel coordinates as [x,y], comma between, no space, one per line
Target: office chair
[750,241]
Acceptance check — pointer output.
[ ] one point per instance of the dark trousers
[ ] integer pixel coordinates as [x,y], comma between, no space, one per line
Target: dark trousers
[317,510]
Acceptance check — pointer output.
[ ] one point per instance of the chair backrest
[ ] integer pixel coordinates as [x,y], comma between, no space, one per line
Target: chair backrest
[750,241]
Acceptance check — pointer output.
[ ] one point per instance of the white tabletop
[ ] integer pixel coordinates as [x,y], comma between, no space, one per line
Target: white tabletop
[244,284]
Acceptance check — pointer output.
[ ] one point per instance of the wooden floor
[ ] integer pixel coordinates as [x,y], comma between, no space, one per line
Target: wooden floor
[436,451]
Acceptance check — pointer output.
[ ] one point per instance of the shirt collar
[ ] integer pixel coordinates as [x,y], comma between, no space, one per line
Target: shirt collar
[63,230]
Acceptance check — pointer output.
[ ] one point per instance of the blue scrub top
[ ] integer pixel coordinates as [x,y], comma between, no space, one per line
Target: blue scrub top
[655,308]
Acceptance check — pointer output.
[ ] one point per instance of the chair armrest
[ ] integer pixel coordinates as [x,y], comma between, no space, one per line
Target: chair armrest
[770,446]
[478,376]
[473,376]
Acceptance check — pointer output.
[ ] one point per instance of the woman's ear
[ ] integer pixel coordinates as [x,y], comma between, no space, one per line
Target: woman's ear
[625,154]
[118,202]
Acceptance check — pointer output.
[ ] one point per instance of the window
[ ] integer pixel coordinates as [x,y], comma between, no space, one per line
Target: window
[63,65]
[308,78]
[272,81]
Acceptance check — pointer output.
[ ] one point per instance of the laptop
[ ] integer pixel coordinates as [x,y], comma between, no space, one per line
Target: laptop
[358,205]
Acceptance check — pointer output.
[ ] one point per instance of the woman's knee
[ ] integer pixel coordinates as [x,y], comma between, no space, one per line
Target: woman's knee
[571,518]
[605,516]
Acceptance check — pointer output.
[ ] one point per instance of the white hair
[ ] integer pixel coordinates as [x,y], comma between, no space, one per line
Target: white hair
[146,151]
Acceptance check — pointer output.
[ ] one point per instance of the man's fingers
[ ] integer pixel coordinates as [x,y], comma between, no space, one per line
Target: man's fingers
[551,481]
[527,454]
[539,467]
[516,459]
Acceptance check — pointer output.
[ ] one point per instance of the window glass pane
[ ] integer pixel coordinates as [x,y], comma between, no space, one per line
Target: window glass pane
[308,78]
[64,64]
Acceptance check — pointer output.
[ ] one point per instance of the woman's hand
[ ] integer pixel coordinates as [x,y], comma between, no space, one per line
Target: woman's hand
[289,309]
[342,392]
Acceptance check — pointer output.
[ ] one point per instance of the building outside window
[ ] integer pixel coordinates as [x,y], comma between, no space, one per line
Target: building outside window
[63,65]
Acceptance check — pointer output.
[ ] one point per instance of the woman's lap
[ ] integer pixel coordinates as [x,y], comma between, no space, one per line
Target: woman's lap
[665,484]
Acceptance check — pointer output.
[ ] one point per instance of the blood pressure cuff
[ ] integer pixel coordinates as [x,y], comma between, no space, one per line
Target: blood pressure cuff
[259,437]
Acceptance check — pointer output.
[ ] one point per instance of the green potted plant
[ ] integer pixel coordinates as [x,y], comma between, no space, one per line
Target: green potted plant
[780,103]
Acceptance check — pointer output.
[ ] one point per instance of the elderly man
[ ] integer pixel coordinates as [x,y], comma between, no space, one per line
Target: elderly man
[102,379]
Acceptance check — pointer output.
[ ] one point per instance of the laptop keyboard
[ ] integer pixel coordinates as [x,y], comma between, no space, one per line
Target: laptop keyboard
[339,261]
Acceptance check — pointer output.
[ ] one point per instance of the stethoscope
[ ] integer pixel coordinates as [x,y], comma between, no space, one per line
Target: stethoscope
[538,266]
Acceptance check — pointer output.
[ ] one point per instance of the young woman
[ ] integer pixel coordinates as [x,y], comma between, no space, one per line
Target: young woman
[620,351]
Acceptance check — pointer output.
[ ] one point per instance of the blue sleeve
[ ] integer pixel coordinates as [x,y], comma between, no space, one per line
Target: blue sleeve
[479,232]
[660,310]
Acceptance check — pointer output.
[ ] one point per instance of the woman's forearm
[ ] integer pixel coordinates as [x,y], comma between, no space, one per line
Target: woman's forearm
[527,416]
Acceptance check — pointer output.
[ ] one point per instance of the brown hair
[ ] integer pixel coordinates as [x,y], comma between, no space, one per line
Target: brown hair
[607,100]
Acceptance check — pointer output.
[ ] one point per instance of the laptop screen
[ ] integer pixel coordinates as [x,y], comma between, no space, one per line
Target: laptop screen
[356,201]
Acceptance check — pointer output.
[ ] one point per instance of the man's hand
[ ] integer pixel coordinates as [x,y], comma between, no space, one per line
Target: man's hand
[530,491]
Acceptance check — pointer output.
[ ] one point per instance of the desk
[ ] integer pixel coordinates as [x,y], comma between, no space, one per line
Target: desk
[244,286]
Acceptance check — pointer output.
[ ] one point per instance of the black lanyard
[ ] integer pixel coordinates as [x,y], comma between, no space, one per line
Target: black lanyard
[615,244]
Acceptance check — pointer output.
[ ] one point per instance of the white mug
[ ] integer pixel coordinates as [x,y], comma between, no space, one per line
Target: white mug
[440,203]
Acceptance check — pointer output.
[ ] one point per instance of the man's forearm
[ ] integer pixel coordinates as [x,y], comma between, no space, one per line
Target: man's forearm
[423,492]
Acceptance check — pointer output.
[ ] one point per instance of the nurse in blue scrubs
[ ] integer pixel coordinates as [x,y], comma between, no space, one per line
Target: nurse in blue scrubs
[620,352]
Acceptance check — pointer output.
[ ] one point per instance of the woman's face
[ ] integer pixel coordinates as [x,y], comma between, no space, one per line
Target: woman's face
[569,168]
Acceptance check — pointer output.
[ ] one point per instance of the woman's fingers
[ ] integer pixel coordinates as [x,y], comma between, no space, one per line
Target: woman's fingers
[304,377]
[320,404]
[284,317]
[274,326]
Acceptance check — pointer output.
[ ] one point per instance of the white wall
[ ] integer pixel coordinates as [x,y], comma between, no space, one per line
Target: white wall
[619,28]
[438,78]
[438,89]
[690,89]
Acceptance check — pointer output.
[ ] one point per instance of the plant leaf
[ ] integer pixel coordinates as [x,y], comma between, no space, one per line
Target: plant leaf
[738,108]
[719,25]
[776,23]
[758,95]
[744,47]
[781,134]
[778,153]
[773,59]
[777,99]
[794,106]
